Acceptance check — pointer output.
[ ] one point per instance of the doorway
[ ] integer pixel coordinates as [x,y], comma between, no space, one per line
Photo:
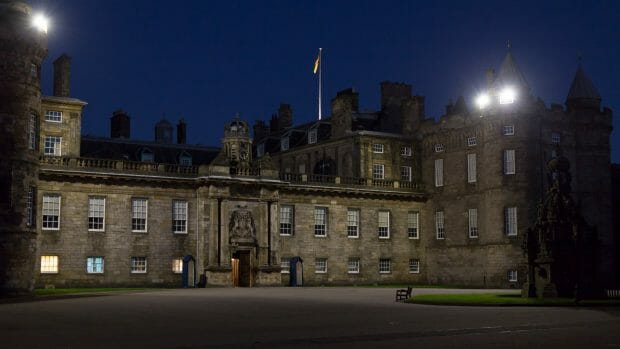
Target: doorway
[188,273]
[241,269]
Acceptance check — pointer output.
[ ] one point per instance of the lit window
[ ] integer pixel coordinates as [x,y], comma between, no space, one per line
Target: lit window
[413,223]
[471,168]
[53,115]
[139,213]
[440,231]
[507,96]
[286,220]
[472,141]
[405,173]
[509,162]
[405,151]
[385,266]
[34,71]
[94,265]
[260,150]
[51,212]
[312,136]
[353,266]
[138,265]
[353,223]
[177,265]
[284,143]
[378,171]
[320,221]
[285,264]
[179,217]
[439,148]
[30,206]
[49,264]
[510,221]
[377,148]
[512,276]
[439,172]
[185,159]
[509,130]
[555,137]
[52,145]
[414,266]
[384,224]
[320,265]
[473,223]
[147,156]
[32,132]
[96,214]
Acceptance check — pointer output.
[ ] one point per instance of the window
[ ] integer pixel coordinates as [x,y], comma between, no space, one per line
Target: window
[512,276]
[473,223]
[34,71]
[405,173]
[378,171]
[138,265]
[30,206]
[96,214]
[353,266]
[49,264]
[260,150]
[471,141]
[320,221]
[353,223]
[439,225]
[139,214]
[510,221]
[53,115]
[147,155]
[384,224]
[471,168]
[509,130]
[285,264]
[320,265]
[555,137]
[414,266]
[302,168]
[32,132]
[439,172]
[185,159]
[413,223]
[51,212]
[94,265]
[377,148]
[439,148]
[385,266]
[509,162]
[286,220]
[284,143]
[52,145]
[312,136]
[179,217]
[177,265]
[405,151]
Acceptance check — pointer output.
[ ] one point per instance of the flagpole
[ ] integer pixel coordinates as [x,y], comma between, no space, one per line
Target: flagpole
[320,66]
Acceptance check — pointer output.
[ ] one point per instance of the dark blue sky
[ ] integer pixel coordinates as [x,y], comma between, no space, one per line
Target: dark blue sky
[206,60]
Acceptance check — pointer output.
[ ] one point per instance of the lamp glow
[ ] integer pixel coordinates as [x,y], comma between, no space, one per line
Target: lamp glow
[483,100]
[507,96]
[40,22]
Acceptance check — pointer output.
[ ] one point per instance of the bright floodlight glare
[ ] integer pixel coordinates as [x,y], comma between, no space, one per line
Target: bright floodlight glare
[483,100]
[507,96]
[40,22]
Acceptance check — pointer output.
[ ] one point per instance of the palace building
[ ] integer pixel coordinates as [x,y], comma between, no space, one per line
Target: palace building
[390,196]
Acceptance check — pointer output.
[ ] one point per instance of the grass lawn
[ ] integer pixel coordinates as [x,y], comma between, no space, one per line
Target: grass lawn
[66,291]
[495,299]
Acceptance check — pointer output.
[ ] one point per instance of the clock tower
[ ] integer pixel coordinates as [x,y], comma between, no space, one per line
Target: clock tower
[237,143]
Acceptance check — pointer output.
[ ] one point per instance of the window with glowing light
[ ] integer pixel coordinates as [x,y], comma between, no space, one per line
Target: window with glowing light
[49,264]
[177,265]
[94,265]
[285,264]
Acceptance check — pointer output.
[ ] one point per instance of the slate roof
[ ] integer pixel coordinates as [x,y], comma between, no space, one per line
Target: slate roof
[509,74]
[582,87]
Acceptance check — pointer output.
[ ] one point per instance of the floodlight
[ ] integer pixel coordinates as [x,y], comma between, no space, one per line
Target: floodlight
[483,100]
[40,22]
[507,96]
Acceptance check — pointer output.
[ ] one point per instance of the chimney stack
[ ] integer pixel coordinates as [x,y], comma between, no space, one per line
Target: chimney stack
[62,73]
[120,124]
[181,132]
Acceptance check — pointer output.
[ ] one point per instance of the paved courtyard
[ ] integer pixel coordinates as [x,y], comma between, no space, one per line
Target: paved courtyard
[332,317]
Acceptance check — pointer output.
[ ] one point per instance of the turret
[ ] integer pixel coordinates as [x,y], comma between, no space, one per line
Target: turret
[24,46]
[237,143]
[583,94]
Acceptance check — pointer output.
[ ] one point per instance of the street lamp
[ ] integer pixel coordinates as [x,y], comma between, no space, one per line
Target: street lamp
[40,22]
[483,100]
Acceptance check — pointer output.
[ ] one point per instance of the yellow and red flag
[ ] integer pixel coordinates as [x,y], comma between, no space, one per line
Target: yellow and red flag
[317,62]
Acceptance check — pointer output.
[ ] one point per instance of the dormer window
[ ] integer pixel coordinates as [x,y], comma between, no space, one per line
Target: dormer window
[284,143]
[146,155]
[312,136]
[439,148]
[260,150]
[555,137]
[185,159]
[377,148]
[405,151]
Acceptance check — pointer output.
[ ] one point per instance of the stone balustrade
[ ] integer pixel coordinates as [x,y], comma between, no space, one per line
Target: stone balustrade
[349,181]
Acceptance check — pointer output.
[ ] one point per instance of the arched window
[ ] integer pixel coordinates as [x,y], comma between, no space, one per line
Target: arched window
[146,155]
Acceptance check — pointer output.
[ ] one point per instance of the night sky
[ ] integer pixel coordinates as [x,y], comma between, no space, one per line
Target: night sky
[205,61]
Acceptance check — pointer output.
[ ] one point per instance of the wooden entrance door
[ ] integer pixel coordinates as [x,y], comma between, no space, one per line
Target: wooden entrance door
[235,271]
[245,269]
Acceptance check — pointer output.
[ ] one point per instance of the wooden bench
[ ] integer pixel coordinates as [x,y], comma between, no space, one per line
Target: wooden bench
[403,294]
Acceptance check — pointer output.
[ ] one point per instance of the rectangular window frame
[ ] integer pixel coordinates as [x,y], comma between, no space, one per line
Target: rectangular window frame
[472,141]
[353,223]
[320,265]
[438,172]
[177,265]
[95,265]
[180,216]
[139,217]
[53,116]
[33,126]
[472,215]
[405,151]
[513,276]
[510,221]
[353,266]
[556,138]
[378,148]
[320,221]
[440,228]
[508,130]
[510,167]
[287,220]
[285,264]
[312,136]
[139,265]
[49,264]
[385,266]
[378,171]
[439,147]
[50,209]
[52,146]
[96,213]
[406,173]
[471,168]
[414,266]
[260,150]
[31,207]
[413,225]
[284,144]
[383,224]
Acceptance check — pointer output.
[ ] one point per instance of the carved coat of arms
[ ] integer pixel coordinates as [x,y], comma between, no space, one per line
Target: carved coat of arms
[241,224]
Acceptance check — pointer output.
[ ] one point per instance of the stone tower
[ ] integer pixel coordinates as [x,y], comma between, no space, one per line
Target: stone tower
[237,143]
[22,49]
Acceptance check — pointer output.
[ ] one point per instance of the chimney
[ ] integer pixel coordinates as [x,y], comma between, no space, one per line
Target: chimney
[260,130]
[120,124]
[273,124]
[62,73]
[181,132]
[285,116]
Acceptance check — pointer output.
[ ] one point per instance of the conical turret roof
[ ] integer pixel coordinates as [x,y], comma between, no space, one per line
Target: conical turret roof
[509,74]
[582,87]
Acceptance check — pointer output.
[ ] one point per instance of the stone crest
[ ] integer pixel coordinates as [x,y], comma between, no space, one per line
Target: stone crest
[241,226]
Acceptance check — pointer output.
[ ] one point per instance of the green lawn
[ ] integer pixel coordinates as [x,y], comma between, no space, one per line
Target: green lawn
[495,299]
[66,291]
